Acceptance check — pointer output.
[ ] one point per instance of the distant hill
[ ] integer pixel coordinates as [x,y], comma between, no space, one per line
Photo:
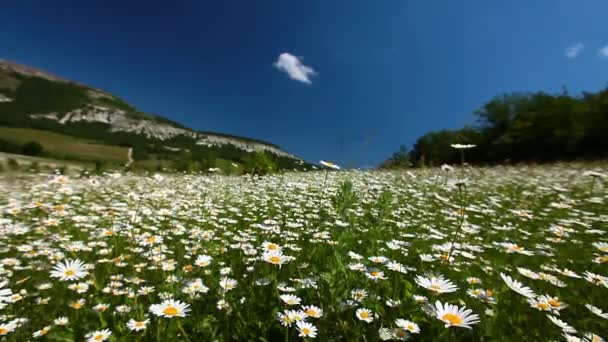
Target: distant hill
[39,101]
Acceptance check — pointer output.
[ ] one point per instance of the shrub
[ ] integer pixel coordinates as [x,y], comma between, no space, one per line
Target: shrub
[32,148]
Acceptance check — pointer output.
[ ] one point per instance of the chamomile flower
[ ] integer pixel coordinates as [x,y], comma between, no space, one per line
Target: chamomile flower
[306,329]
[290,299]
[437,284]
[410,326]
[517,286]
[7,328]
[134,325]
[170,308]
[97,336]
[365,315]
[275,258]
[312,311]
[562,325]
[70,270]
[597,311]
[453,316]
[228,284]
[203,260]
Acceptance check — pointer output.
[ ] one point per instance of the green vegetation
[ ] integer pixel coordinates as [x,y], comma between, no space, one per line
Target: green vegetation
[535,127]
[95,142]
[317,256]
[57,145]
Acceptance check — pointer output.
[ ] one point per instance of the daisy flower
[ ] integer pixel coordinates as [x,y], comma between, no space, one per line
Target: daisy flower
[170,308]
[420,299]
[453,316]
[562,325]
[358,294]
[365,315]
[41,332]
[228,284]
[61,321]
[436,284]
[69,270]
[407,325]
[290,299]
[203,260]
[312,311]
[271,246]
[100,335]
[306,329]
[597,311]
[274,257]
[375,274]
[602,246]
[134,325]
[7,328]
[517,286]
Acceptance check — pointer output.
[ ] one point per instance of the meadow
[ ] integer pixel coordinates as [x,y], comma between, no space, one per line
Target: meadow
[455,254]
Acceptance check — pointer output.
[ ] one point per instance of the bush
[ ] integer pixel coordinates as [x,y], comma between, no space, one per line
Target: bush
[32,148]
[12,164]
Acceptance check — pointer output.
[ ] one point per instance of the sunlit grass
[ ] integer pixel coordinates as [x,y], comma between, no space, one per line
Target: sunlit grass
[332,256]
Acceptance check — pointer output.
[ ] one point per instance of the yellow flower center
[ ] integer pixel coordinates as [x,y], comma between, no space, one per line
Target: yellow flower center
[272,247]
[98,337]
[275,259]
[310,312]
[452,319]
[305,331]
[69,272]
[364,314]
[374,273]
[435,287]
[139,324]
[554,303]
[151,239]
[543,306]
[3,331]
[170,311]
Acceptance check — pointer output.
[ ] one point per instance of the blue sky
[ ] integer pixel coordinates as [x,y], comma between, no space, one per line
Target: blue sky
[381,74]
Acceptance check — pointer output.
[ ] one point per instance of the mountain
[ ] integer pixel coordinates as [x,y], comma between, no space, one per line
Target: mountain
[37,100]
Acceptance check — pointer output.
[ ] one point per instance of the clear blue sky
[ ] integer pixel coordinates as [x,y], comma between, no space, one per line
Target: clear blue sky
[385,71]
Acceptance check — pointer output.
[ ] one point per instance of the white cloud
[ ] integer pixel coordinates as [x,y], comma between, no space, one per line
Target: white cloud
[292,66]
[604,52]
[574,50]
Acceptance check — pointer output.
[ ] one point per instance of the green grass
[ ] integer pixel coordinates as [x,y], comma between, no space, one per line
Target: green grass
[65,146]
[336,230]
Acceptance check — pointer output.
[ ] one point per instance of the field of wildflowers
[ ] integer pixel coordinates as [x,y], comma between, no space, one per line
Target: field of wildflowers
[480,254]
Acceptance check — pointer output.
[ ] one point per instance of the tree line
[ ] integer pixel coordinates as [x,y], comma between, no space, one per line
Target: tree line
[520,127]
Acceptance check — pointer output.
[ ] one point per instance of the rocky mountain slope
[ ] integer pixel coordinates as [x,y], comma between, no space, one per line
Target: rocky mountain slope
[33,98]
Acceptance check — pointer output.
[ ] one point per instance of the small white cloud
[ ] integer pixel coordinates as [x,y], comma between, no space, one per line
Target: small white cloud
[604,52]
[292,66]
[574,50]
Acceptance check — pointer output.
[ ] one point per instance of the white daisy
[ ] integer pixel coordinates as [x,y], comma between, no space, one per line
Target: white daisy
[562,325]
[407,325]
[170,308]
[365,315]
[306,329]
[100,335]
[134,325]
[517,286]
[453,316]
[69,270]
[436,284]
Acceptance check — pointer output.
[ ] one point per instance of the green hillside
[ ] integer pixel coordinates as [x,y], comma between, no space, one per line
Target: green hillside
[64,146]
[36,103]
